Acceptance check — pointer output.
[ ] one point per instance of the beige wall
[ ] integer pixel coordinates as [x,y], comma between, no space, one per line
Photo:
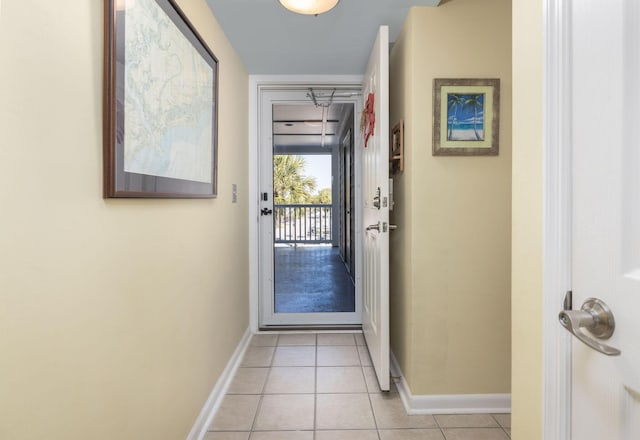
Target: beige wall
[451,255]
[527,219]
[116,316]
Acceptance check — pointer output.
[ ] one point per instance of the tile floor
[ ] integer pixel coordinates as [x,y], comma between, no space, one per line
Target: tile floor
[322,387]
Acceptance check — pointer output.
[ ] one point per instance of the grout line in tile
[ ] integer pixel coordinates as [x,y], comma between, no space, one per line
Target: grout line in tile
[266,381]
[435,419]
[373,413]
[255,416]
[273,356]
[315,390]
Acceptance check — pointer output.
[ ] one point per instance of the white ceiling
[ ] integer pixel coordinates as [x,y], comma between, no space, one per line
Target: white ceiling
[272,40]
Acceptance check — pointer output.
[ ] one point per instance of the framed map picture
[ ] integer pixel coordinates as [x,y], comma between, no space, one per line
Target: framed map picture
[160,103]
[466,117]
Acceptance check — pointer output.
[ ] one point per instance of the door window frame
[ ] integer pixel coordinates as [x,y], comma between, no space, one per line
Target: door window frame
[258,83]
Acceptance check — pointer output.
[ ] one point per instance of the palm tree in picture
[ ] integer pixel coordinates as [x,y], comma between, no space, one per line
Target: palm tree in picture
[454,101]
[476,102]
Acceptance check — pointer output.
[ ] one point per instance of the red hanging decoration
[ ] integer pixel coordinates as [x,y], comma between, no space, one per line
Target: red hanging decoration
[368,122]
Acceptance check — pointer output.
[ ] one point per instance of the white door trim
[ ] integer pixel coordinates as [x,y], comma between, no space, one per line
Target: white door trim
[256,82]
[557,218]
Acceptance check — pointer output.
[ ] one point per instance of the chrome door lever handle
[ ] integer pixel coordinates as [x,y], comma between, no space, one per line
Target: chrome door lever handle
[376,227]
[596,317]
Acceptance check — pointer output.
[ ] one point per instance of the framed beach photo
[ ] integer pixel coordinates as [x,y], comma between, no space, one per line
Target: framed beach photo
[160,103]
[466,117]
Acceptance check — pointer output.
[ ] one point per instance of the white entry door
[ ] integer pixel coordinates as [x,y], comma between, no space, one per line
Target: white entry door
[605,107]
[375,198]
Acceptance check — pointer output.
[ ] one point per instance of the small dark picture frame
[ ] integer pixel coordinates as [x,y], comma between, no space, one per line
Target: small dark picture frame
[466,117]
[396,149]
[160,103]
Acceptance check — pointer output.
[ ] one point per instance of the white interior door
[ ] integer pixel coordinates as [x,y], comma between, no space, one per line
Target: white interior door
[605,131]
[375,198]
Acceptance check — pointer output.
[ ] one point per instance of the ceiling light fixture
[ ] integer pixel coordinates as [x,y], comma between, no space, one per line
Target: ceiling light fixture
[309,7]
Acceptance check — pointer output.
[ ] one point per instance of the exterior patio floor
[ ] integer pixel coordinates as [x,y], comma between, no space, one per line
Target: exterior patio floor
[311,279]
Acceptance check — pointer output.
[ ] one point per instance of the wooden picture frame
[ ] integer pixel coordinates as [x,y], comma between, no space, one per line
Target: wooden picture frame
[160,103]
[466,117]
[396,149]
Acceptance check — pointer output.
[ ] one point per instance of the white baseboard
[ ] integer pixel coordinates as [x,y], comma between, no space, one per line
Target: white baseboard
[212,404]
[448,403]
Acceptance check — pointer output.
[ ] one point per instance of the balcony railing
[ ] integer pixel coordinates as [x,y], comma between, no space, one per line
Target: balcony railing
[302,223]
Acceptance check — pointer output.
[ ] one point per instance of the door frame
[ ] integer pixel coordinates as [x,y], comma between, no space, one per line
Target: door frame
[557,217]
[256,84]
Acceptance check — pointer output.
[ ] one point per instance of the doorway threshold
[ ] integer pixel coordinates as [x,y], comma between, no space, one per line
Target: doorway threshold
[311,328]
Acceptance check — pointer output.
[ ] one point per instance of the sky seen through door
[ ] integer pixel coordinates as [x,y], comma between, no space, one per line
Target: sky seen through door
[319,166]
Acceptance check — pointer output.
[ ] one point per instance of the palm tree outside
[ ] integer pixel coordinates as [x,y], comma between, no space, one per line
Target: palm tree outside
[293,188]
[290,184]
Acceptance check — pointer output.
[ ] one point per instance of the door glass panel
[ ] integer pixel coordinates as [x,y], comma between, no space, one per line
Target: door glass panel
[310,271]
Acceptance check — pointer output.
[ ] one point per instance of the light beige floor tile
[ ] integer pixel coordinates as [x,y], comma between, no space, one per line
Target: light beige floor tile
[285,412]
[282,435]
[297,339]
[503,420]
[336,339]
[236,413]
[295,357]
[248,381]
[338,356]
[411,434]
[343,411]
[287,380]
[371,380]
[347,435]
[340,380]
[466,421]
[264,340]
[360,339]
[365,359]
[390,413]
[475,434]
[258,357]
[226,436]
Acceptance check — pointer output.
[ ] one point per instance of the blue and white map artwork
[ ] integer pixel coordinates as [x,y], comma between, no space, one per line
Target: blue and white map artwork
[168,99]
